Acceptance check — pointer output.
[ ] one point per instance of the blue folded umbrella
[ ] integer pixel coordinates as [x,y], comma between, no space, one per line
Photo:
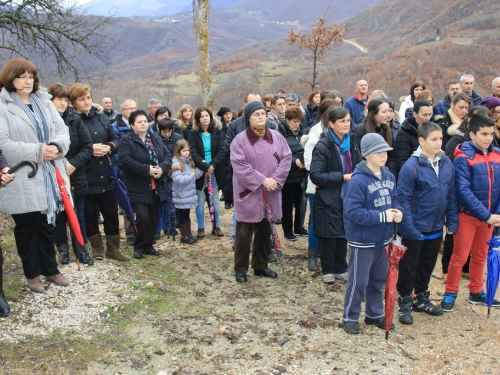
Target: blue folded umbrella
[493,268]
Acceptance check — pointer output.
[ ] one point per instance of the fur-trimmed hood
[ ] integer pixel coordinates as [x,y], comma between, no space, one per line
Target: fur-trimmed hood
[218,125]
[455,130]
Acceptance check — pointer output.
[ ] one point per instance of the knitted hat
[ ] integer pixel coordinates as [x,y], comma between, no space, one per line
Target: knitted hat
[223,111]
[251,108]
[491,102]
[373,143]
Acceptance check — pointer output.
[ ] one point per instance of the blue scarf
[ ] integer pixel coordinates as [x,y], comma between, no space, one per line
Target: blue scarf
[344,146]
[40,123]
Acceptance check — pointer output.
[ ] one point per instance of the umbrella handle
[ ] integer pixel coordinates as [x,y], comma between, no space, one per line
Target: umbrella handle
[32,164]
[395,229]
[496,232]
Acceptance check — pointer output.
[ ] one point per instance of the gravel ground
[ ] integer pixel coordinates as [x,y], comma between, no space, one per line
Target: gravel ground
[286,325]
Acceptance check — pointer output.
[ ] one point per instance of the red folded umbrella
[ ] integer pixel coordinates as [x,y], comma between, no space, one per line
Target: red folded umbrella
[68,207]
[395,252]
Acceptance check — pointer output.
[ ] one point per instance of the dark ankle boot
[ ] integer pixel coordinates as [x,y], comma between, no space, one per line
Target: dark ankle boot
[185,235]
[63,253]
[312,262]
[4,306]
[190,234]
[84,255]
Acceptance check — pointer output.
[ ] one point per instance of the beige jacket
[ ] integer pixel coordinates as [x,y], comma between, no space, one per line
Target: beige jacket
[18,142]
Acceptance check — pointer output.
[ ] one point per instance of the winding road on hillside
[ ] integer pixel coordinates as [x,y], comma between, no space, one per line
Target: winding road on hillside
[360,47]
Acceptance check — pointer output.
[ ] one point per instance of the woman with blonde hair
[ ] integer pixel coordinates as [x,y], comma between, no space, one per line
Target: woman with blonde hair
[185,117]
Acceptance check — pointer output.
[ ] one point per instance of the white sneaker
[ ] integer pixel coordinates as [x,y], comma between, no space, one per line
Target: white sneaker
[341,276]
[329,278]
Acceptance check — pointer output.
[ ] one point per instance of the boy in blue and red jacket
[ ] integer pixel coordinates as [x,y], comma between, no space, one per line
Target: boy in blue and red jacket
[477,176]
[370,204]
[426,191]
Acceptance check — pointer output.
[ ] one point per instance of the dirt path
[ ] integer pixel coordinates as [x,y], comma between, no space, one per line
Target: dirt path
[197,320]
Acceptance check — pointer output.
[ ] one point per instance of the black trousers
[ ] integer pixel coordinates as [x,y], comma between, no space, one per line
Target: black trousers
[291,197]
[333,255]
[182,215]
[416,266]
[146,219]
[260,249]
[447,252]
[109,209]
[35,244]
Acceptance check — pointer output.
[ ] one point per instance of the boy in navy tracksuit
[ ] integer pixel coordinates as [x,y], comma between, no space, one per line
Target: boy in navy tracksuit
[370,204]
[426,191]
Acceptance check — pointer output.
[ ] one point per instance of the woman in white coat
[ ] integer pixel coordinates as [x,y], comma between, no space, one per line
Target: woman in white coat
[31,128]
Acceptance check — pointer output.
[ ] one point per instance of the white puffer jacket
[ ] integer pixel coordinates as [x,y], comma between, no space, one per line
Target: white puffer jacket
[308,142]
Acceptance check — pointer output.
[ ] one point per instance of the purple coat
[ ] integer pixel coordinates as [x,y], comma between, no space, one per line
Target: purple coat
[254,159]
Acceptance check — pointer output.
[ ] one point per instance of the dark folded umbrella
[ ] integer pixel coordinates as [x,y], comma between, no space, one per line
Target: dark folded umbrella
[209,192]
[493,268]
[395,252]
[274,232]
[24,163]
[171,214]
[121,191]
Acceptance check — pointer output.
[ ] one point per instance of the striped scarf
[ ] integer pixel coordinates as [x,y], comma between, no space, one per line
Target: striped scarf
[153,158]
[37,118]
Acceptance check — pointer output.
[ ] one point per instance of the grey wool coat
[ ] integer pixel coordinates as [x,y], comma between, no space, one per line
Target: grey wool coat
[18,142]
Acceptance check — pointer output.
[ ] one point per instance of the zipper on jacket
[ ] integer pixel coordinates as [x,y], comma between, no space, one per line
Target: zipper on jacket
[489,185]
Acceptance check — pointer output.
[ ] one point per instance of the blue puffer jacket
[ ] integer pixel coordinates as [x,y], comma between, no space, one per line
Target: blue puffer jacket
[425,198]
[477,181]
[184,184]
[355,108]
[366,199]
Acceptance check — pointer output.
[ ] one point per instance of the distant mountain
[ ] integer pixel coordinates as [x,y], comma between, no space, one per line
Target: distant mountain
[150,8]
[297,11]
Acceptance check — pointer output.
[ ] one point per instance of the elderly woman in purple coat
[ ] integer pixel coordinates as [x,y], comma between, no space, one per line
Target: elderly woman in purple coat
[261,160]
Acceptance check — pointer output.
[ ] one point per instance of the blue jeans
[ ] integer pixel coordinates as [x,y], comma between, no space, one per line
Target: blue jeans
[200,210]
[162,220]
[62,219]
[312,239]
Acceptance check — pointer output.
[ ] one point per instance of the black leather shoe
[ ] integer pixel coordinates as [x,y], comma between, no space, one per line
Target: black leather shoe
[86,259]
[379,322]
[5,308]
[151,251]
[241,277]
[351,327]
[272,258]
[227,206]
[266,272]
[138,253]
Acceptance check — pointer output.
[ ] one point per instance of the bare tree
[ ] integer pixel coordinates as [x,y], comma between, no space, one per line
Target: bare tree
[201,12]
[320,40]
[51,31]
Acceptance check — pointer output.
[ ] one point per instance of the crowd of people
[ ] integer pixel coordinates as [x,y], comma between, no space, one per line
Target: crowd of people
[360,165]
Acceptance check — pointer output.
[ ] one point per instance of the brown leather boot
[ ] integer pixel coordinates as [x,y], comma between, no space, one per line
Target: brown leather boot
[217,232]
[201,233]
[113,248]
[183,228]
[97,246]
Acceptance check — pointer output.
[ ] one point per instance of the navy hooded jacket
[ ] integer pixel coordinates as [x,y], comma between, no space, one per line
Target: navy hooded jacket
[426,198]
[366,199]
[477,178]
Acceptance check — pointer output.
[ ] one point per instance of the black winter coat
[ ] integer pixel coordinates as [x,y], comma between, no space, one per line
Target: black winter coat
[79,153]
[218,151]
[360,131]
[446,124]
[326,173]
[135,162]
[187,131]
[97,168]
[296,175]
[406,142]
[170,142]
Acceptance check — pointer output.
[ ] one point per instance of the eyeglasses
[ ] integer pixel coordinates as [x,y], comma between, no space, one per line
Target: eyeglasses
[26,77]
[496,113]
